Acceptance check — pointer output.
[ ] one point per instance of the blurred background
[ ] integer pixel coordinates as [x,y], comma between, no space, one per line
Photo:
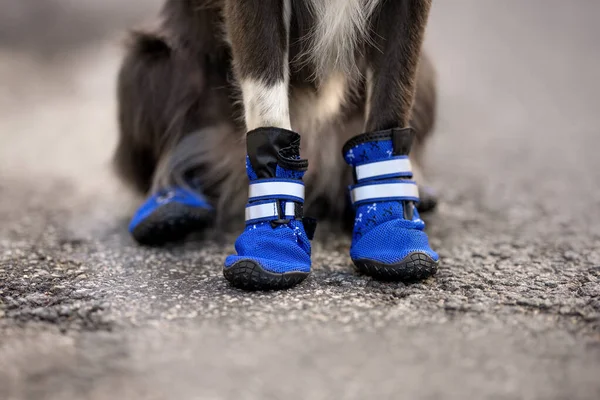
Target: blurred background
[58,64]
[513,312]
[518,79]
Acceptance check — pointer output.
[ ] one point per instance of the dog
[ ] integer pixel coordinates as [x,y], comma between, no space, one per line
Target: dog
[190,88]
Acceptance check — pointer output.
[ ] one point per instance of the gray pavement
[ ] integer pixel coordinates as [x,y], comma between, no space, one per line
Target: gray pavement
[514,312]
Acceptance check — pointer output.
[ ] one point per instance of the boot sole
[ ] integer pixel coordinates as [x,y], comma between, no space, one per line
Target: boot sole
[249,275]
[171,223]
[414,267]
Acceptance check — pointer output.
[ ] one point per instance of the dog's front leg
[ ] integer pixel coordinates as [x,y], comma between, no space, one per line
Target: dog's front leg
[397,39]
[388,240]
[392,72]
[258,31]
[273,252]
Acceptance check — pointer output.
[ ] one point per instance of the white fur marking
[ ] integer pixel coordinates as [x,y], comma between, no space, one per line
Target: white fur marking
[339,28]
[311,108]
[266,105]
[269,105]
[331,96]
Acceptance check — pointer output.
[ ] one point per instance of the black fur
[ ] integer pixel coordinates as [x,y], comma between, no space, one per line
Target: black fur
[180,115]
[398,30]
[259,38]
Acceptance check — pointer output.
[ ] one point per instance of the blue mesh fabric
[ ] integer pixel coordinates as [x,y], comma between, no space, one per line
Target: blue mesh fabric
[279,249]
[187,197]
[284,248]
[289,173]
[380,231]
[370,216]
[389,240]
[369,152]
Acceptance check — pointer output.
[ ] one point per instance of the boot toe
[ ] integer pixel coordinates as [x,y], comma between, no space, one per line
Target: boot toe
[393,252]
[170,216]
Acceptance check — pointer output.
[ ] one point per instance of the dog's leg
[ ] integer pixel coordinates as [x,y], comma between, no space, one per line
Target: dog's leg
[259,34]
[273,252]
[423,122]
[152,88]
[148,60]
[388,240]
[393,76]
[393,67]
[398,31]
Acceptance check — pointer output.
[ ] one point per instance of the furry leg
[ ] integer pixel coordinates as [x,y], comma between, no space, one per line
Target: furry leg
[388,240]
[393,61]
[150,132]
[274,250]
[259,34]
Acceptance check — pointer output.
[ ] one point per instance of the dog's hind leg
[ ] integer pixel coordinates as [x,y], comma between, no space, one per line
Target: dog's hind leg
[146,65]
[153,89]
[274,250]
[388,240]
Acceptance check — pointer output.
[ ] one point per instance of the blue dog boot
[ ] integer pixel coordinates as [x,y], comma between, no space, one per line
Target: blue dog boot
[170,214]
[388,240]
[273,252]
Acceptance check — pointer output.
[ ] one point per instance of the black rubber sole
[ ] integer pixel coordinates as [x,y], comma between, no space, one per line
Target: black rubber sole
[249,275]
[170,223]
[415,267]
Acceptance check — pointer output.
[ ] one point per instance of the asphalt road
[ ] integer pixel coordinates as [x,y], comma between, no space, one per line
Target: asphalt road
[514,312]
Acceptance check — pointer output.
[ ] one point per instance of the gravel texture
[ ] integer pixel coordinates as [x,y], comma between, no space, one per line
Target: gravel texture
[514,311]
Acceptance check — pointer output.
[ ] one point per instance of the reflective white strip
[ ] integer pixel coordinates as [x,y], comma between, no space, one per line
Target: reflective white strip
[270,189]
[269,210]
[380,168]
[386,190]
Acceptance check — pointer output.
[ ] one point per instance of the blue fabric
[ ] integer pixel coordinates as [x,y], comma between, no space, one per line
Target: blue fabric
[363,153]
[380,231]
[167,196]
[284,248]
[280,249]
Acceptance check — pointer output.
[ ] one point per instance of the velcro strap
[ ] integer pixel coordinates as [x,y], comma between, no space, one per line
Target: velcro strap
[394,167]
[385,190]
[282,189]
[270,210]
